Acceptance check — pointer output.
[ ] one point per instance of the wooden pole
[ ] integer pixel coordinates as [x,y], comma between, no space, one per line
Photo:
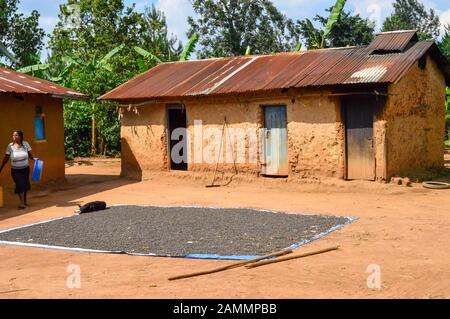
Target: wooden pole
[232,266]
[294,256]
[220,154]
[94,135]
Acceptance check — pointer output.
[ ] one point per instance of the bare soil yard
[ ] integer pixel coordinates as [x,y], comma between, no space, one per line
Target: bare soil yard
[404,230]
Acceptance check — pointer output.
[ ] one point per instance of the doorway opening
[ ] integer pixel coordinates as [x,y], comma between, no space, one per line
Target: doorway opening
[177,137]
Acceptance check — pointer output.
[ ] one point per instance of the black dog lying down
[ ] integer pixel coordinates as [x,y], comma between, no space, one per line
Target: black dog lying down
[91,207]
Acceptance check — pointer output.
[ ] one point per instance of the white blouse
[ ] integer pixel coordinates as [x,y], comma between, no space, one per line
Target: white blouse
[19,156]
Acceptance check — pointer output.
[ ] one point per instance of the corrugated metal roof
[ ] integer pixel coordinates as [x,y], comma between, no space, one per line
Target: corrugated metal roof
[393,41]
[327,67]
[19,83]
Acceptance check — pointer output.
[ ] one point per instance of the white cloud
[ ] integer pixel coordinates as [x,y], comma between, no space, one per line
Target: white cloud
[379,10]
[48,23]
[300,9]
[374,10]
[177,12]
[445,20]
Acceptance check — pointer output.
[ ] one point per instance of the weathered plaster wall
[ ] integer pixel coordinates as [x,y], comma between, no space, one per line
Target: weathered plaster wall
[315,136]
[243,116]
[17,114]
[143,140]
[380,148]
[415,121]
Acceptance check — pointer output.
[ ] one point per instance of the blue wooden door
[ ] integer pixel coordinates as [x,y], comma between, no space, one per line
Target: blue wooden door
[275,155]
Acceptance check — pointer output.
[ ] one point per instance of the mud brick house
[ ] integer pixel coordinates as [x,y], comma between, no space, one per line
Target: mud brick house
[366,113]
[35,107]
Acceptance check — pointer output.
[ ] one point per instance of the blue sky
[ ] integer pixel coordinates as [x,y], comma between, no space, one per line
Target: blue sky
[178,10]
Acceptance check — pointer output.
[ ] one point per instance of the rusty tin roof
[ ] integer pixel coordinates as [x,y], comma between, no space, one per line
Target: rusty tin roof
[12,82]
[326,67]
[394,41]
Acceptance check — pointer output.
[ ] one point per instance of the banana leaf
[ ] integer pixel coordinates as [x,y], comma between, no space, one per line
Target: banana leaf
[315,40]
[190,47]
[34,68]
[333,19]
[105,60]
[71,60]
[147,55]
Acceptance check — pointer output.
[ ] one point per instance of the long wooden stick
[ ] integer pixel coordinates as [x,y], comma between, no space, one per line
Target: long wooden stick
[294,256]
[12,291]
[232,266]
[220,154]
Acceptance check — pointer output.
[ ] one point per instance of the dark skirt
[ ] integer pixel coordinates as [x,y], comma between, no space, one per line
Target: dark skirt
[22,179]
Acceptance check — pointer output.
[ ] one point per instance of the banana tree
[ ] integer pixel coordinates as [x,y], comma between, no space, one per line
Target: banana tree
[190,47]
[318,38]
[90,67]
[184,56]
[43,71]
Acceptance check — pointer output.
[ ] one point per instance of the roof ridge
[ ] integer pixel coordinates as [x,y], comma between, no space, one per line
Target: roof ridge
[397,31]
[265,55]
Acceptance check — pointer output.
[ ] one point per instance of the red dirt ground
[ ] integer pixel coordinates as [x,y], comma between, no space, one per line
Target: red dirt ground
[406,231]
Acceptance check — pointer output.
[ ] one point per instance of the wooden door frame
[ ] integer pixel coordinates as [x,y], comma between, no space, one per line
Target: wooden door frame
[263,124]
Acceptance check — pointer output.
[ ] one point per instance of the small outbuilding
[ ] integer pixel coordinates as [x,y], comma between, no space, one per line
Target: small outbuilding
[364,113]
[34,106]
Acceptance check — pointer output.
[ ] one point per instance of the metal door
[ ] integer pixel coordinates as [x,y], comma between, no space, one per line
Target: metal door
[359,118]
[275,142]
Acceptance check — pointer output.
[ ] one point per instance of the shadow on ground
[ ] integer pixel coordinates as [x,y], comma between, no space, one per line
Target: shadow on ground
[79,162]
[63,194]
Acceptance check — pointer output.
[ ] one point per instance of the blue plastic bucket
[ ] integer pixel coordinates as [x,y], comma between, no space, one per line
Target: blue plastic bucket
[37,171]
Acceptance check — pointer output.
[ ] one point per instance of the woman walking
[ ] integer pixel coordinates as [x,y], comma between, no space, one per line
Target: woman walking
[19,151]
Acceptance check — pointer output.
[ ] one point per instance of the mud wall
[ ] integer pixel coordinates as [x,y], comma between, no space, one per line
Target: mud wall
[315,136]
[143,140]
[415,121]
[243,118]
[19,114]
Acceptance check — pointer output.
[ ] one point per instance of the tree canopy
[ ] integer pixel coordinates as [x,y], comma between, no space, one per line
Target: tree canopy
[88,34]
[412,15]
[445,47]
[100,44]
[229,27]
[445,43]
[157,37]
[349,30]
[20,35]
